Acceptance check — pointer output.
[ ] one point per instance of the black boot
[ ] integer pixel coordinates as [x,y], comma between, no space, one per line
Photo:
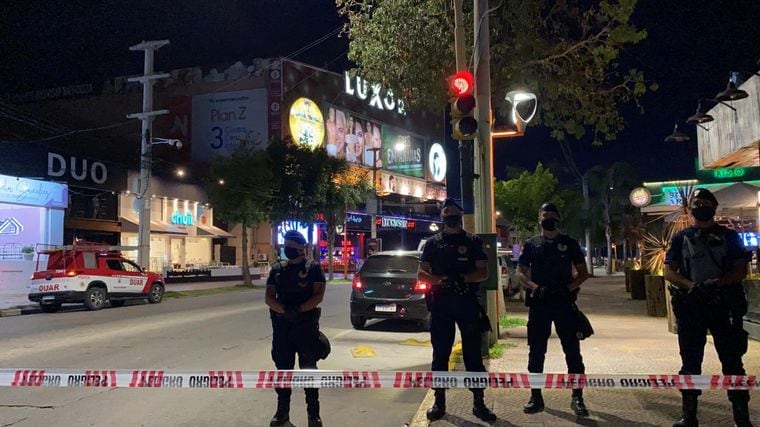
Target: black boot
[479,408]
[312,408]
[578,405]
[689,413]
[282,415]
[741,413]
[438,410]
[536,402]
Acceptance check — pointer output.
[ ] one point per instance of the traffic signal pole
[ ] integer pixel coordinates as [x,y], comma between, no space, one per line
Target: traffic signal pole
[466,172]
[485,224]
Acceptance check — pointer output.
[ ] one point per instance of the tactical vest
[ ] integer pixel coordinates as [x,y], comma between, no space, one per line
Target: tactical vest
[704,253]
[290,291]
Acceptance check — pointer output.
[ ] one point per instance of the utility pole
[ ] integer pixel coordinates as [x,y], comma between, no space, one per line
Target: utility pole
[485,224]
[146,117]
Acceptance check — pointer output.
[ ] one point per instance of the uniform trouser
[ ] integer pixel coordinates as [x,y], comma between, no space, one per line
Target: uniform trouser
[289,339]
[724,321]
[540,319]
[447,312]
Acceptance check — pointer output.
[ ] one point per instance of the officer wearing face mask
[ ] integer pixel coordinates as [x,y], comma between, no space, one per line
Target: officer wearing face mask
[705,265]
[295,288]
[546,271]
[454,263]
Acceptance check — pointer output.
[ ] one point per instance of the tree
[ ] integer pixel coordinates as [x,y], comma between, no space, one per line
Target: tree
[567,52]
[345,188]
[240,188]
[519,199]
[609,189]
[299,181]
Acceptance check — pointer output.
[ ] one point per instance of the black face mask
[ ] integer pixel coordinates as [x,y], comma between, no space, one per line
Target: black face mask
[550,224]
[293,253]
[452,220]
[703,213]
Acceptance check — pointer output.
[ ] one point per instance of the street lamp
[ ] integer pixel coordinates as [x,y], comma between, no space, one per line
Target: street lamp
[677,136]
[732,93]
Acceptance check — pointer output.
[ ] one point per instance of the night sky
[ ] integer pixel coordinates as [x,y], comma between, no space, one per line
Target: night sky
[691,48]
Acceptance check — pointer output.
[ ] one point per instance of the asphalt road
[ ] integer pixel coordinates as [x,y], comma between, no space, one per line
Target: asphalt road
[223,332]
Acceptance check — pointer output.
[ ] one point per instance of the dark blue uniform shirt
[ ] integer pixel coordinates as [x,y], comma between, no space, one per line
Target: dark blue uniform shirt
[551,261]
[294,283]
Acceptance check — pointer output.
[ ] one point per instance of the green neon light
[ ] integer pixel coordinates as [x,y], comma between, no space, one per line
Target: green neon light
[726,173]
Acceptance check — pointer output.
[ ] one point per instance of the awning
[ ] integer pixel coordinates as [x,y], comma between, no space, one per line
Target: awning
[132,225]
[211,231]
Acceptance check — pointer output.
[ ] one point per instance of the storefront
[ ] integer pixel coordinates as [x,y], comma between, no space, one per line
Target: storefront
[31,214]
[182,233]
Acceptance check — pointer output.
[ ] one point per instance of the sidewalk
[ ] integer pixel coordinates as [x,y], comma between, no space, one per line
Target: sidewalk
[626,341]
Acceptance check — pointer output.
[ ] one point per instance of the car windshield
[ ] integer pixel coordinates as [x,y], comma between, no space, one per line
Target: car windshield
[391,264]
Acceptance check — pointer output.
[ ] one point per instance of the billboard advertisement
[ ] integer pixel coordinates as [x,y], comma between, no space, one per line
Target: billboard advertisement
[399,184]
[221,120]
[352,137]
[402,152]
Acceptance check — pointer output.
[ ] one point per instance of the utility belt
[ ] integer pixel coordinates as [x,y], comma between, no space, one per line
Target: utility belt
[731,296]
[312,315]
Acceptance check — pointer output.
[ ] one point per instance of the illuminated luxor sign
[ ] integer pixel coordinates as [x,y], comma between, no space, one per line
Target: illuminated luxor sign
[729,173]
[390,222]
[179,219]
[378,98]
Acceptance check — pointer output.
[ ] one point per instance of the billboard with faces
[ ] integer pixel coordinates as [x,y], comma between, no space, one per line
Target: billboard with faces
[352,137]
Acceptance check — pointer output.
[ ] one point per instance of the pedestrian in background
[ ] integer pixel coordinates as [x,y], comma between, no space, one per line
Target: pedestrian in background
[454,263]
[295,288]
[706,264]
[546,271]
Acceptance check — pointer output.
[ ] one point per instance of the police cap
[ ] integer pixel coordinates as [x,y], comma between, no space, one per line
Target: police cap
[295,237]
[452,203]
[549,207]
[704,194]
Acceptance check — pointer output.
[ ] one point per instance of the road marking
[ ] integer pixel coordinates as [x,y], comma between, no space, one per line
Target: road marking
[416,343]
[363,351]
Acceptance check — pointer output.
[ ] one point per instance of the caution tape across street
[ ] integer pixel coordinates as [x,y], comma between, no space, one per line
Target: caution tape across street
[227,379]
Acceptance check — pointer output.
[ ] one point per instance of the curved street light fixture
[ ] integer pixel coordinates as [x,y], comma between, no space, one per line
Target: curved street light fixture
[677,136]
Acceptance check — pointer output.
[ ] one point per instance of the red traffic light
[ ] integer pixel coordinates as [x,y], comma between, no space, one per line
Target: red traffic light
[461,83]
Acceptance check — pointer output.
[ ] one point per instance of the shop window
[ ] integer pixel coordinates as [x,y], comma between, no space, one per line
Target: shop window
[114,264]
[92,204]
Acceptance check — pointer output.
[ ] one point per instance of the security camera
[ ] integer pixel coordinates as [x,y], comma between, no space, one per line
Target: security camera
[176,143]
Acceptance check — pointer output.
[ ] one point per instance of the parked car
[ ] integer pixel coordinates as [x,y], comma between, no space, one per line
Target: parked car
[508,276]
[91,274]
[386,287]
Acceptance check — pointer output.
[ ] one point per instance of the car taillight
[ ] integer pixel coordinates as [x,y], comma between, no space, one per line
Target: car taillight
[357,282]
[421,287]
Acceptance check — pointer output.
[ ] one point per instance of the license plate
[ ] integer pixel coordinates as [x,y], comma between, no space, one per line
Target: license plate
[48,298]
[386,308]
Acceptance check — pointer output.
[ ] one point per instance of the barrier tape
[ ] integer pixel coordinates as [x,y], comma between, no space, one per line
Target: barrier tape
[226,379]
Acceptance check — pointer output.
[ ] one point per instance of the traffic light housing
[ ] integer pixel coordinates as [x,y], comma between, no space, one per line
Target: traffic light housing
[463,125]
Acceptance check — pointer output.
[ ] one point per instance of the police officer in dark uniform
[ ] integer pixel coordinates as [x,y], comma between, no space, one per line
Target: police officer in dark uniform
[294,290]
[705,265]
[546,270]
[454,263]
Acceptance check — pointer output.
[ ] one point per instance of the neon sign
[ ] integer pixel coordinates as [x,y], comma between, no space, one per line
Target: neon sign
[178,219]
[726,173]
[378,98]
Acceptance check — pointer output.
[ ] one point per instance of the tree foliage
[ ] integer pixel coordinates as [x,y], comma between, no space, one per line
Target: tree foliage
[519,199]
[565,51]
[348,187]
[246,193]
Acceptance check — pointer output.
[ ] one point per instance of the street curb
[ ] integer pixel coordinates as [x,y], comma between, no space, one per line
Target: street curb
[18,311]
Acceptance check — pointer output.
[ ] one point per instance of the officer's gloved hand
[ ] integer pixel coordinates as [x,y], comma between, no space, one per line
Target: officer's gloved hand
[292,313]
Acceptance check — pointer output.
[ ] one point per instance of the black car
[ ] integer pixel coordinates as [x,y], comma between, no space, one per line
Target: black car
[386,287]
